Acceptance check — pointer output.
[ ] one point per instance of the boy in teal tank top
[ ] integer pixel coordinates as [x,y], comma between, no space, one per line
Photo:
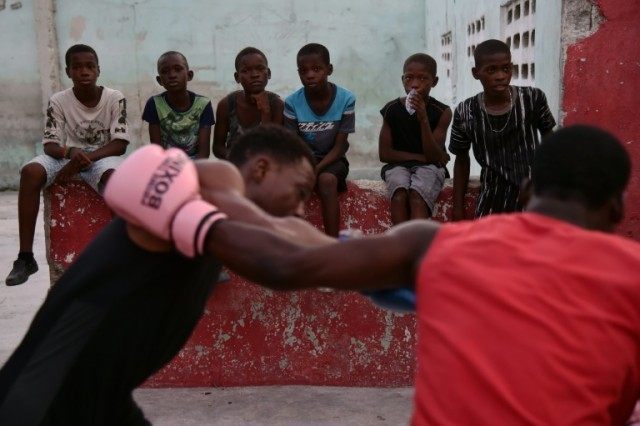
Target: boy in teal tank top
[177,117]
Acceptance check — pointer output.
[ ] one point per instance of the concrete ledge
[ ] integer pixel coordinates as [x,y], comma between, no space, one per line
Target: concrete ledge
[73,214]
[253,336]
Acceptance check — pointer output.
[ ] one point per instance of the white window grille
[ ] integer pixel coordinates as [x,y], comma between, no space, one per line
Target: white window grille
[475,36]
[517,19]
[446,60]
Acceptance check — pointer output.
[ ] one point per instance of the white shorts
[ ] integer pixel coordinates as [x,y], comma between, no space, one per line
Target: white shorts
[91,175]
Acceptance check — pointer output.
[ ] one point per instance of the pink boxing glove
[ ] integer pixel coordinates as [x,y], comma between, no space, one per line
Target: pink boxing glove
[150,188]
[191,225]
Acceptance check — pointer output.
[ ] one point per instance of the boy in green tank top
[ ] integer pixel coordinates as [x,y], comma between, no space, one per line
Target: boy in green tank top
[178,117]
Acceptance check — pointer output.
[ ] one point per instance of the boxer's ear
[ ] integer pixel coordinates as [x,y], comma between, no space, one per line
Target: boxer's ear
[260,166]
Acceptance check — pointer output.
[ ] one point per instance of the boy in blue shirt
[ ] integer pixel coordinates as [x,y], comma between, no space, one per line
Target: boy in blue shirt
[177,117]
[323,114]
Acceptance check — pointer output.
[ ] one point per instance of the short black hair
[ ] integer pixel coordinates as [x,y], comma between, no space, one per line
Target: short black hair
[489,47]
[78,48]
[279,143]
[581,163]
[249,51]
[169,53]
[424,59]
[315,49]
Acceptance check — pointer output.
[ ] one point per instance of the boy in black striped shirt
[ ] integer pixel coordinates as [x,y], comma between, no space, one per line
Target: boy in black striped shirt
[502,123]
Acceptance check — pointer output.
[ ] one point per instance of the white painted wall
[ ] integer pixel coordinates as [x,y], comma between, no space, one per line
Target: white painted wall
[368,41]
[20,99]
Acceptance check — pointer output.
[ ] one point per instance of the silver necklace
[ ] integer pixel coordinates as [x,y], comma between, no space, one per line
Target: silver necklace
[508,116]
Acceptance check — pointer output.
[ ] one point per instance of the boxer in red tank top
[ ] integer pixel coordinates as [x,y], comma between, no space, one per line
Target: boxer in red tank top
[526,318]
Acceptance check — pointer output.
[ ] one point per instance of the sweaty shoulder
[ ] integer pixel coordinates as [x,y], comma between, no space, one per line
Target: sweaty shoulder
[219,175]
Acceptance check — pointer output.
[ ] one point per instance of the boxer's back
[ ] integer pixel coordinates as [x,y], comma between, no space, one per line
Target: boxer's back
[527,319]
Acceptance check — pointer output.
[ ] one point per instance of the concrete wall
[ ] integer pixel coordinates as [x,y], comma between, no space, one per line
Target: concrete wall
[602,78]
[249,335]
[21,119]
[367,51]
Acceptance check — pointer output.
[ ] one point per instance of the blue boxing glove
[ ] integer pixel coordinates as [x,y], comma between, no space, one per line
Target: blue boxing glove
[393,299]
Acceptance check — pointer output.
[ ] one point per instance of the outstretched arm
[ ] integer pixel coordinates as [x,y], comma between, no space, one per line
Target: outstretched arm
[383,261]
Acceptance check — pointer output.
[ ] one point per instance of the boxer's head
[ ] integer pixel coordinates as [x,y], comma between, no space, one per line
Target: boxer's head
[277,167]
[581,170]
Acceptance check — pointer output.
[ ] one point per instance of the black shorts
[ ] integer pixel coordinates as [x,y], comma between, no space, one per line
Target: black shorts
[115,317]
[340,169]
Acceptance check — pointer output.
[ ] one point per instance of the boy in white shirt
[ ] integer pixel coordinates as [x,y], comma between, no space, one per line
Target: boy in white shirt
[85,133]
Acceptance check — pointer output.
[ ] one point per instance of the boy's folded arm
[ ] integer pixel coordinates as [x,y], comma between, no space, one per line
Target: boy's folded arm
[204,142]
[340,146]
[114,148]
[277,113]
[220,130]
[55,150]
[155,133]
[433,140]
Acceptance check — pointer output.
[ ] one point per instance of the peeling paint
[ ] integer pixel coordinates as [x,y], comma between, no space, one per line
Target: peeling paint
[69,257]
[313,339]
[407,334]
[256,311]
[201,351]
[220,341]
[291,314]
[283,363]
[250,335]
[386,339]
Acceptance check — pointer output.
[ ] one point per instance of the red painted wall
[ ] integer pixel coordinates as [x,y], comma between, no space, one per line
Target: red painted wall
[249,335]
[602,87]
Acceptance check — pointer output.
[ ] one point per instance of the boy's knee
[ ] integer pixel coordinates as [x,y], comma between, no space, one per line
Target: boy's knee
[105,176]
[104,179]
[400,195]
[33,174]
[327,184]
[415,197]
